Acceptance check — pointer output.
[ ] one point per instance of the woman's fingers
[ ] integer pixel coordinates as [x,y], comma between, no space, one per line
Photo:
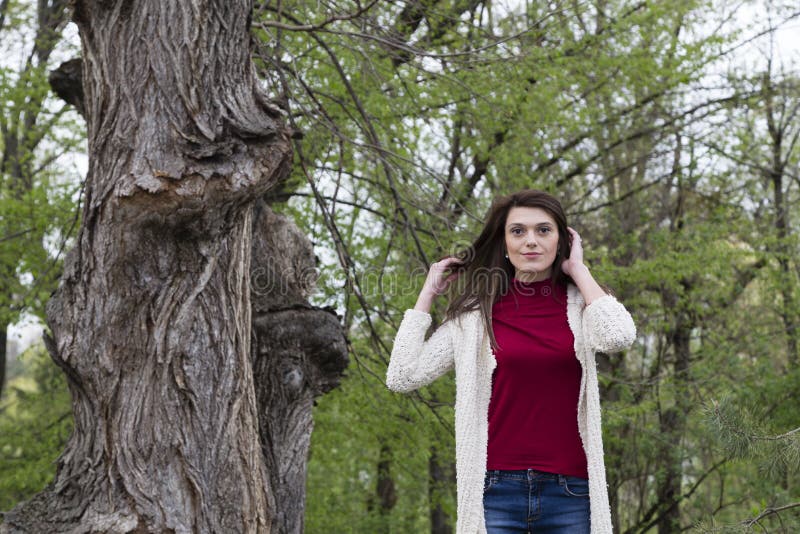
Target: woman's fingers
[438,277]
[575,254]
[449,261]
[575,239]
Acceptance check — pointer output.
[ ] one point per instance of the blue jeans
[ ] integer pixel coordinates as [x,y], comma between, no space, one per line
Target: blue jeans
[532,501]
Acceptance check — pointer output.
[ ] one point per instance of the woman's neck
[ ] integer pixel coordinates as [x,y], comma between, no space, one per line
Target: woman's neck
[527,276]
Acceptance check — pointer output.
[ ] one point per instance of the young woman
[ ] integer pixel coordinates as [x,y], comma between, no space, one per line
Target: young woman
[521,331]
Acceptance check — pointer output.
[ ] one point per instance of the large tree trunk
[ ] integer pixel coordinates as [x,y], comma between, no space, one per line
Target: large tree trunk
[299,352]
[152,320]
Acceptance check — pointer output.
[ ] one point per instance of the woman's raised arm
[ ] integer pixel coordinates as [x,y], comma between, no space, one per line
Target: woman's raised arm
[416,362]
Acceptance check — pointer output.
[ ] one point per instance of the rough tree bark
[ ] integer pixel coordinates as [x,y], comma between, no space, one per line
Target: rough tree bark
[152,320]
[299,353]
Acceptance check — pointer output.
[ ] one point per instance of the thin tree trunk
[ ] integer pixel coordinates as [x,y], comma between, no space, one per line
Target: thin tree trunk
[673,421]
[3,356]
[152,321]
[385,495]
[782,227]
[782,249]
[438,479]
[21,137]
[3,12]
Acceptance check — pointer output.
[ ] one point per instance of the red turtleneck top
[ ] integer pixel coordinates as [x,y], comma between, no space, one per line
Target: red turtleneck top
[533,418]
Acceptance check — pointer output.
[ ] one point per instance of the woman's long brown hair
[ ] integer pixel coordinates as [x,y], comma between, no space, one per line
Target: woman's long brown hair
[486,272]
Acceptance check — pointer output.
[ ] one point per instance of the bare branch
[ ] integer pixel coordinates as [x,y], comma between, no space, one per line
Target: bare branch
[770,511]
[319,26]
[16,235]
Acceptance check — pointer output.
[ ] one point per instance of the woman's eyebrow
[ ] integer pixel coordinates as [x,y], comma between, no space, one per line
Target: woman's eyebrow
[545,223]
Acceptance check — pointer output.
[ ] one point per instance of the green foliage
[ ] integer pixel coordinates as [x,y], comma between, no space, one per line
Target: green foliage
[408,136]
[749,433]
[35,422]
[351,426]
[38,189]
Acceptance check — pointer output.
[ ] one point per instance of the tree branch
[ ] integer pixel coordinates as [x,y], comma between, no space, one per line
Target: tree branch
[770,511]
[666,507]
[315,27]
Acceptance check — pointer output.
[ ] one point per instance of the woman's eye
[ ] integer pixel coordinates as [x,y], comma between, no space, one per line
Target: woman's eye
[516,231]
[545,230]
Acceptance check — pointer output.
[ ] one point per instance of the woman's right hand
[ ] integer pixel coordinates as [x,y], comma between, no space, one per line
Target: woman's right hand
[440,276]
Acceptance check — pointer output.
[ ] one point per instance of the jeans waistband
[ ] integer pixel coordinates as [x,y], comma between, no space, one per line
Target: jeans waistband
[521,474]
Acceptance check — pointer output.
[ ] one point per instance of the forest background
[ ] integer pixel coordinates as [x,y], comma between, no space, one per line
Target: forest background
[669,129]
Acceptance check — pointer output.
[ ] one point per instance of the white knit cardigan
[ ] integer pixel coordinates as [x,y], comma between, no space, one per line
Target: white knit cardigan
[603,326]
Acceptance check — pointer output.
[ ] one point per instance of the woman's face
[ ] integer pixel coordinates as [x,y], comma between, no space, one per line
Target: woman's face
[531,243]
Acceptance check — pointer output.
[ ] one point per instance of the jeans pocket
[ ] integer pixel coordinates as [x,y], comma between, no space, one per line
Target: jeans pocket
[488,482]
[575,486]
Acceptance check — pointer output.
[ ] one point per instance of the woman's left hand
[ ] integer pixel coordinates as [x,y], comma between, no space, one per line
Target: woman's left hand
[575,269]
[575,260]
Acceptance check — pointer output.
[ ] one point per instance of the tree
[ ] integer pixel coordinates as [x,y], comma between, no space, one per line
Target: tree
[152,320]
[751,422]
[36,200]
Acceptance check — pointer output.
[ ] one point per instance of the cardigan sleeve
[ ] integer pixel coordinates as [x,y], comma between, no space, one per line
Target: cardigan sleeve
[416,362]
[608,326]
